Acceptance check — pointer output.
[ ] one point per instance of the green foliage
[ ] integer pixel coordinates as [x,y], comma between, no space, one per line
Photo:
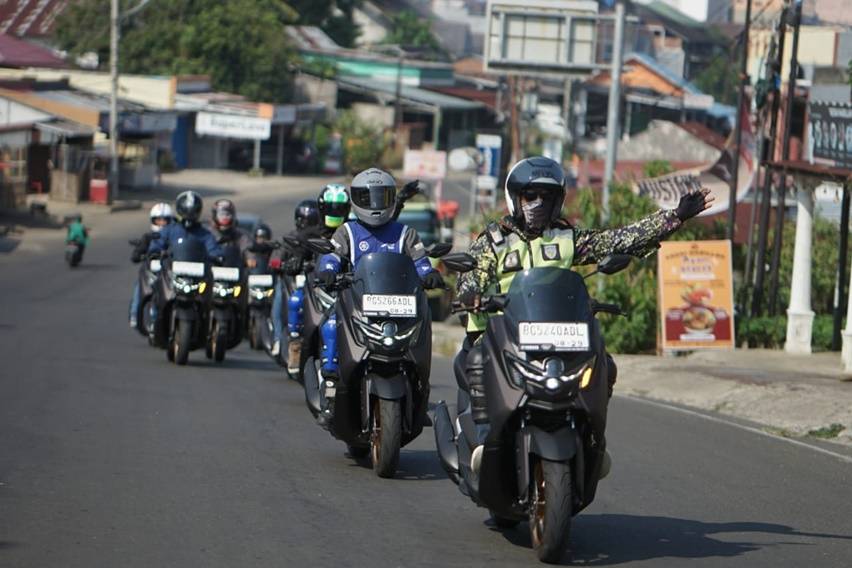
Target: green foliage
[241,44]
[363,143]
[656,168]
[412,31]
[477,223]
[720,79]
[334,17]
[634,289]
[770,332]
[828,432]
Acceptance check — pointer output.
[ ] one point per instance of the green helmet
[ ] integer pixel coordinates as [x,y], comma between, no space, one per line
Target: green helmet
[334,205]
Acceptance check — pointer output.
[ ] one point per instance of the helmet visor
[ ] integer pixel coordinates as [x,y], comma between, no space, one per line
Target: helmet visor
[374,198]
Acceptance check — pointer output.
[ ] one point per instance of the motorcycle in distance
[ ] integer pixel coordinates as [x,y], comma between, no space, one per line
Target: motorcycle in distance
[182,293]
[228,307]
[545,375]
[316,304]
[384,340]
[149,269]
[73,254]
[261,288]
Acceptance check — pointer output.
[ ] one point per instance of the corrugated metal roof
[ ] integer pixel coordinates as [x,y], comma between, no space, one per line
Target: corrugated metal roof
[664,72]
[412,94]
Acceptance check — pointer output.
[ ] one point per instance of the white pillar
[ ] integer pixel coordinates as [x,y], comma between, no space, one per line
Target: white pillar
[800,316]
[846,352]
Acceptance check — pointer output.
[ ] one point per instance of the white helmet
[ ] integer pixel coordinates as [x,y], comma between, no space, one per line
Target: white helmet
[160,210]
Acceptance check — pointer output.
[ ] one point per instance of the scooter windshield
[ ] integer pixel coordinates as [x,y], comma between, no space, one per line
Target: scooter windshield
[386,283]
[548,295]
[188,249]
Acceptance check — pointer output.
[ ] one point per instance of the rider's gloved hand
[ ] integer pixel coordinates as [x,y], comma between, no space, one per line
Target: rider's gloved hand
[693,203]
[275,264]
[326,277]
[469,298]
[433,280]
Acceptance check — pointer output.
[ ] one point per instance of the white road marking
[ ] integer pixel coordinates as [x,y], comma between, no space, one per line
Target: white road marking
[659,404]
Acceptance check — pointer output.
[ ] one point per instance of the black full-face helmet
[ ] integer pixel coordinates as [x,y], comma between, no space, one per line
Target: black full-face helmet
[373,195]
[224,214]
[541,182]
[306,214]
[262,233]
[188,206]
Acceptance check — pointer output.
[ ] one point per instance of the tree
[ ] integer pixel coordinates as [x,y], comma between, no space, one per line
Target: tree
[412,31]
[334,17]
[720,79]
[241,44]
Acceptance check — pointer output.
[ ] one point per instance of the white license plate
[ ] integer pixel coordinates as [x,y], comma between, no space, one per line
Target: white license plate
[389,305]
[183,268]
[226,274]
[155,265]
[555,335]
[260,280]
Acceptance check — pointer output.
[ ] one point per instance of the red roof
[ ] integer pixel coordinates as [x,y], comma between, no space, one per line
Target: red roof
[30,18]
[488,97]
[18,53]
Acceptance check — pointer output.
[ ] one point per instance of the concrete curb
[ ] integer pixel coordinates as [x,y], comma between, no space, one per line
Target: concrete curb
[125,205]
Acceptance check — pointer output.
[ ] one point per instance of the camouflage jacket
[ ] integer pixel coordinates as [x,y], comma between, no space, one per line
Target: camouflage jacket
[590,246]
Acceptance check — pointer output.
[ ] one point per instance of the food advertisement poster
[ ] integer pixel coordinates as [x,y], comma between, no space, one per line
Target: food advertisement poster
[696,295]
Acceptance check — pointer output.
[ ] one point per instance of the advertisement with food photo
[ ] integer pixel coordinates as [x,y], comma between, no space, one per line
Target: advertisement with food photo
[696,295]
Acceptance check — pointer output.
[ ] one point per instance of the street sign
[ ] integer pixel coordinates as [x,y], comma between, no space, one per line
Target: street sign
[232,126]
[425,164]
[830,133]
[490,147]
[541,36]
[696,295]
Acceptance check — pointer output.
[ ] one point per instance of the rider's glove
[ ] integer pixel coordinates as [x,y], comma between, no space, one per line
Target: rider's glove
[469,298]
[691,204]
[433,280]
[326,277]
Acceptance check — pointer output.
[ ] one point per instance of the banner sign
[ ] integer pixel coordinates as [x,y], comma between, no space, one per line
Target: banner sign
[232,126]
[666,190]
[696,295]
[424,164]
[489,146]
[830,133]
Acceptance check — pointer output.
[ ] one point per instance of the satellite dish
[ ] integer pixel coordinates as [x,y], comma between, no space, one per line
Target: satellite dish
[464,159]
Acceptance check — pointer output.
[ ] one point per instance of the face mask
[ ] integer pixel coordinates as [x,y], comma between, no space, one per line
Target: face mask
[536,215]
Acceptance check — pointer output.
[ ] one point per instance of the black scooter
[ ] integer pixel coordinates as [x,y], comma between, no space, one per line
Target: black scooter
[384,340]
[149,270]
[227,311]
[182,298]
[74,253]
[544,372]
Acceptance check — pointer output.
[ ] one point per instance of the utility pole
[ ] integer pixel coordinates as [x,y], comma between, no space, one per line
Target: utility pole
[397,107]
[768,174]
[785,155]
[113,100]
[614,106]
[744,80]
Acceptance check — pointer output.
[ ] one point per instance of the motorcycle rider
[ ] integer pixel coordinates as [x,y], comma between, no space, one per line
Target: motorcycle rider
[534,234]
[259,252]
[306,218]
[234,240]
[333,207]
[77,233]
[160,215]
[374,201]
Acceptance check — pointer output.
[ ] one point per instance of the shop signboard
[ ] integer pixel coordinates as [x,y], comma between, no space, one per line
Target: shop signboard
[232,126]
[696,295]
[830,133]
[425,164]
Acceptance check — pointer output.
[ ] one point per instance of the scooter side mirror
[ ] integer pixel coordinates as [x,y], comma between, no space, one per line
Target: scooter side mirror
[292,243]
[319,246]
[459,262]
[614,263]
[437,250]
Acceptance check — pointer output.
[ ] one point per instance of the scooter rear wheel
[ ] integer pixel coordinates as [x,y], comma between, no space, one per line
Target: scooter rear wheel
[550,509]
[386,436]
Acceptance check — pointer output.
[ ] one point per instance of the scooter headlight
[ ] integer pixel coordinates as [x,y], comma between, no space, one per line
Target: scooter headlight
[384,335]
[551,376]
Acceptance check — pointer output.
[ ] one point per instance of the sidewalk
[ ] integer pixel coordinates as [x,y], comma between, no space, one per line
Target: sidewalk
[790,395]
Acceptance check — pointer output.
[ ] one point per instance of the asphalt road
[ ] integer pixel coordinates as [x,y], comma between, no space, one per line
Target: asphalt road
[110,456]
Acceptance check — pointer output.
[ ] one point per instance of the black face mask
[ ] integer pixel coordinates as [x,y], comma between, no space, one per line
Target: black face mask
[536,214]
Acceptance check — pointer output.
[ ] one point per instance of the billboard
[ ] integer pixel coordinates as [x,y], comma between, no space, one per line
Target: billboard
[830,133]
[424,164]
[232,126]
[696,295]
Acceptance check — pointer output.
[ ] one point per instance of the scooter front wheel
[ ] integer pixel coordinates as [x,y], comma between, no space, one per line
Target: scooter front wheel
[550,509]
[181,341]
[386,436]
[219,341]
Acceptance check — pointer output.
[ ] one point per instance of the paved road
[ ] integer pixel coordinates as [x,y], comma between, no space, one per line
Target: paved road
[109,456]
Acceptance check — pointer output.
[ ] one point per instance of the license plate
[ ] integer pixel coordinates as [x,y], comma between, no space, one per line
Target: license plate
[389,305]
[226,274]
[260,280]
[183,268]
[553,335]
[155,265]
